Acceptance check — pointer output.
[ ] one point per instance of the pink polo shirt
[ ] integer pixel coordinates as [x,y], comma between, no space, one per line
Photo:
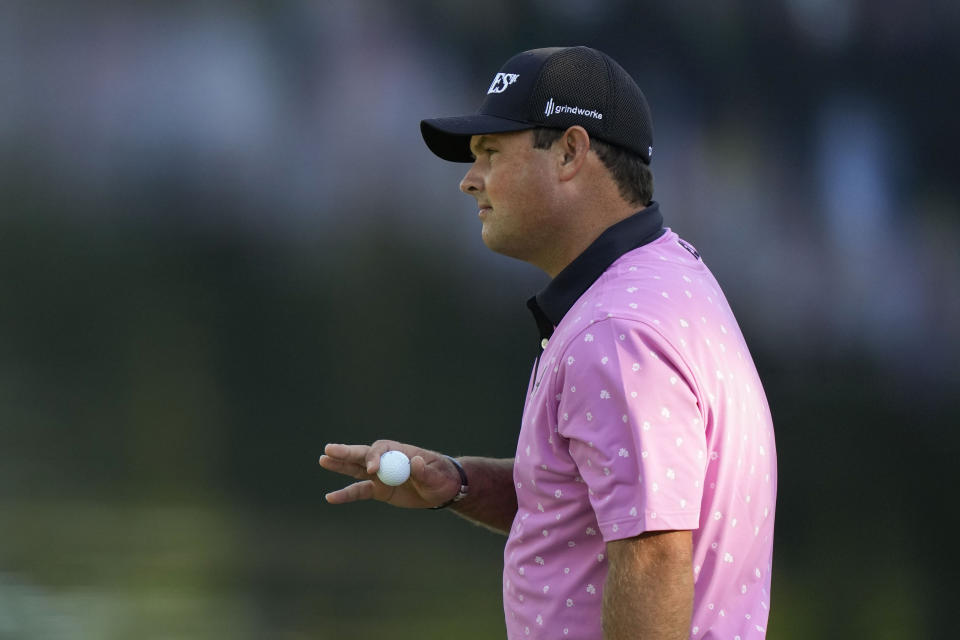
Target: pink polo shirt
[645,413]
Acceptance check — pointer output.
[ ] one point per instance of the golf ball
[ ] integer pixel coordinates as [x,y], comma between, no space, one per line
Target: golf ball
[394,468]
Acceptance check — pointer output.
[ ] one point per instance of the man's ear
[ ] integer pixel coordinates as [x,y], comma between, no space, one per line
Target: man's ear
[573,147]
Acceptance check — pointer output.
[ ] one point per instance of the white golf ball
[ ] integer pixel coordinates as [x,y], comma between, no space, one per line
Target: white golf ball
[394,468]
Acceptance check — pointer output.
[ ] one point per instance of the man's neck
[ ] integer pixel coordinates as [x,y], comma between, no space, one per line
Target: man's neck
[592,224]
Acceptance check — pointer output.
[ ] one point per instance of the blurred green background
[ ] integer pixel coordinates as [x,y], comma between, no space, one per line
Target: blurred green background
[223,244]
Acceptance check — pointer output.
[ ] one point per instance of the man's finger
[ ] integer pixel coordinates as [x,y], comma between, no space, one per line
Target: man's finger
[355,453]
[346,468]
[356,491]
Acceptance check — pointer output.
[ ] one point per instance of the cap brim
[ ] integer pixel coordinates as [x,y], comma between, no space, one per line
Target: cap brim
[449,138]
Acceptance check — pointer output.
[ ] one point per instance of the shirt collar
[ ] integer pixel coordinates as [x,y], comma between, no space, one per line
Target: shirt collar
[550,305]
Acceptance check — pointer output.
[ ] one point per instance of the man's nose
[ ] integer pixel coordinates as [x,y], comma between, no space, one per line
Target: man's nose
[471,182]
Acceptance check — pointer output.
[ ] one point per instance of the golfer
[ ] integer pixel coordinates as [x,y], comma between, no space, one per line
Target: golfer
[640,500]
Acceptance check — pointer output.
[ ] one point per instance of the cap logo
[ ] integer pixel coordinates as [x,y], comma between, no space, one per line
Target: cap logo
[501,81]
[552,109]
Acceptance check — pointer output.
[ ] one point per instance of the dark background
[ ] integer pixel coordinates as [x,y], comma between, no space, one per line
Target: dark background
[223,244]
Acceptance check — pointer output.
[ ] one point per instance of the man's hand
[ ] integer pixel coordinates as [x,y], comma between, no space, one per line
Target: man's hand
[433,478]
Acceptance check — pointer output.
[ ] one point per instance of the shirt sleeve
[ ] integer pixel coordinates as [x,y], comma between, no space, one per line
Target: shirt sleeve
[629,410]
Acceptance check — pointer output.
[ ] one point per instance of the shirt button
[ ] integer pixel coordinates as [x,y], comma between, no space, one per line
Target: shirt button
[543,343]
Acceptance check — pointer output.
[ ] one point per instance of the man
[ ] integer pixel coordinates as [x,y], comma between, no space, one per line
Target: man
[640,502]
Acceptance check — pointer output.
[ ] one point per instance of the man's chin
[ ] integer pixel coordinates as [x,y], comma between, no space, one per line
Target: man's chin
[497,245]
[507,253]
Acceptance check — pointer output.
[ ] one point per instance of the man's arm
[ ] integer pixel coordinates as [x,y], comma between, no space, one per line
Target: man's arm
[491,500]
[649,590]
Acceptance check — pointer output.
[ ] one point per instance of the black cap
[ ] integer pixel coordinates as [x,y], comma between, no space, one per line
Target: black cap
[558,87]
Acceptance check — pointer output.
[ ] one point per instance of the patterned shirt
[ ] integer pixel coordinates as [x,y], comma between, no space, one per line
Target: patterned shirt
[644,413]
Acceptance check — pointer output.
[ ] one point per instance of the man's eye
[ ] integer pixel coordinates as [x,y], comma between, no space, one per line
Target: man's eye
[488,151]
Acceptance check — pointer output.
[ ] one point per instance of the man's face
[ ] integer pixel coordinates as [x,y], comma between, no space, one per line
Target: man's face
[514,187]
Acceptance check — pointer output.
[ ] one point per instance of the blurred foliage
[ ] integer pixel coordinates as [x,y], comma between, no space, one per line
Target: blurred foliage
[185,364]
